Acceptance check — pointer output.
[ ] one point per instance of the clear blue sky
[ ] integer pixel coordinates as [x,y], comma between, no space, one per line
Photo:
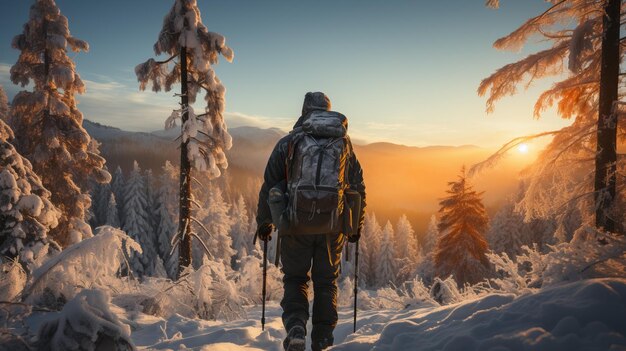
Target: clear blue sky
[402,71]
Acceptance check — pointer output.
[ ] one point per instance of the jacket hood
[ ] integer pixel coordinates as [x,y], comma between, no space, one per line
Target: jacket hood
[313,101]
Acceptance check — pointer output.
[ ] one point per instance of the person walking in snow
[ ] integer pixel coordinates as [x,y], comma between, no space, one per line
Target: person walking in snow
[304,196]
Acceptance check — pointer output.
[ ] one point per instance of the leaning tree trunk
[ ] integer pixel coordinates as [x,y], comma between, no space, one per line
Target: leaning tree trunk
[606,155]
[184,219]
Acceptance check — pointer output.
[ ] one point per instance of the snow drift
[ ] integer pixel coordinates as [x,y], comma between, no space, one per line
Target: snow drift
[584,315]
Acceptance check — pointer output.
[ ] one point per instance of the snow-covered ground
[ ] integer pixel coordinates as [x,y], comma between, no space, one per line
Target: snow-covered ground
[583,315]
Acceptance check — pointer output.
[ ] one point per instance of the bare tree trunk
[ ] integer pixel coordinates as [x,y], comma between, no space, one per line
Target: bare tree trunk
[184,219]
[606,156]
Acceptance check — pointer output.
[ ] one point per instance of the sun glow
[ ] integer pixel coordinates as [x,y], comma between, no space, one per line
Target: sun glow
[522,148]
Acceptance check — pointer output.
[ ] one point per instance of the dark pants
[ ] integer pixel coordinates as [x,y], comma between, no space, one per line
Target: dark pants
[297,254]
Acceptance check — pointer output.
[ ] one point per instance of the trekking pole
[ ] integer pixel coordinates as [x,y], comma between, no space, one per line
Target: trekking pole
[264,283]
[356,281]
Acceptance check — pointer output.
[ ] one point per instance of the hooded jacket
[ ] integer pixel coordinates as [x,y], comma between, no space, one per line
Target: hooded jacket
[275,171]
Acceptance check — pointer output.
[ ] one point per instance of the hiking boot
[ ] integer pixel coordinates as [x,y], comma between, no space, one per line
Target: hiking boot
[296,339]
[322,344]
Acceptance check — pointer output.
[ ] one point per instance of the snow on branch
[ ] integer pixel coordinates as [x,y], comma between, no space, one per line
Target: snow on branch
[86,322]
[91,262]
[504,81]
[206,133]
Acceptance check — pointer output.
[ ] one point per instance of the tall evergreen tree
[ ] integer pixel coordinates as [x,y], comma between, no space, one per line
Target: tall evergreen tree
[215,219]
[26,213]
[432,235]
[136,223]
[386,260]
[369,248]
[239,231]
[47,121]
[585,37]
[166,215]
[461,247]
[366,279]
[112,218]
[118,186]
[408,253]
[405,241]
[204,137]
[425,266]
[100,203]
[506,231]
[151,195]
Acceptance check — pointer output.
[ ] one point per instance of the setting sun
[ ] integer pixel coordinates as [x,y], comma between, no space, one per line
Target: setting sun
[522,148]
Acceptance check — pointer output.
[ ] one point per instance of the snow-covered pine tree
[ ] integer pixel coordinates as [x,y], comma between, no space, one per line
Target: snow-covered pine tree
[405,241]
[47,121]
[506,231]
[4,105]
[101,203]
[215,219]
[151,195]
[408,252]
[136,223]
[579,165]
[239,230]
[118,186]
[166,214]
[26,213]
[425,267]
[204,137]
[461,247]
[366,279]
[369,248]
[111,216]
[386,260]
[432,235]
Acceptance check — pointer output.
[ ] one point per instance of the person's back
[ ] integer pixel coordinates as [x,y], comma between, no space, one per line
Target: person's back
[314,165]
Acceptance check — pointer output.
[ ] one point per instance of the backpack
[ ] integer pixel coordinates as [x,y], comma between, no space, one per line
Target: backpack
[316,169]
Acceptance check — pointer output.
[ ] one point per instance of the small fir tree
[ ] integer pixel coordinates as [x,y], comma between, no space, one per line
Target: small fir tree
[369,248]
[47,121]
[405,241]
[239,230]
[408,252]
[112,218]
[461,247]
[385,265]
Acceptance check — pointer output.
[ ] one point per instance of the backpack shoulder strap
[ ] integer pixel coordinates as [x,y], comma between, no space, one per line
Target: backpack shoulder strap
[349,153]
[296,135]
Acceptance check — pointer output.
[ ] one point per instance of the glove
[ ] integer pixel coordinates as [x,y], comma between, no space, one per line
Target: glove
[354,238]
[264,231]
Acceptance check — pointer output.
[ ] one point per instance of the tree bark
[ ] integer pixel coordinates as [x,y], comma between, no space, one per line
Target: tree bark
[606,155]
[184,220]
